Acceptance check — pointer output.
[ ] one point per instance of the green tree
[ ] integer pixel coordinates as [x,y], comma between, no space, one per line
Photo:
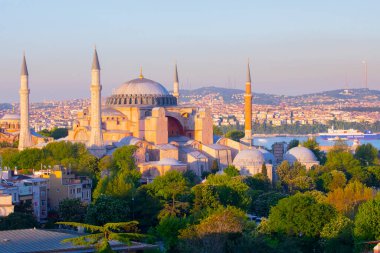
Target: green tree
[101,235]
[258,182]
[168,230]
[120,184]
[337,235]
[59,133]
[313,145]
[333,180]
[124,157]
[18,220]
[293,143]
[213,233]
[221,190]
[342,161]
[235,135]
[367,154]
[217,131]
[72,210]
[107,209]
[169,188]
[300,214]
[263,203]
[231,171]
[367,222]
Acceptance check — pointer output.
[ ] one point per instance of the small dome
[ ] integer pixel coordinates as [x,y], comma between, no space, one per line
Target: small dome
[300,154]
[11,116]
[111,112]
[248,157]
[141,86]
[268,156]
[129,140]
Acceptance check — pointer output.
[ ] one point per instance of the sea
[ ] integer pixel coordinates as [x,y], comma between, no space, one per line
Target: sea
[268,141]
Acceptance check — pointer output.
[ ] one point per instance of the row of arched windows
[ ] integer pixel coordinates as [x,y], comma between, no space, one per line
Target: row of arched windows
[141,100]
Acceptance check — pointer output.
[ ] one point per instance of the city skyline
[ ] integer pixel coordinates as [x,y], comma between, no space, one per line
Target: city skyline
[294,48]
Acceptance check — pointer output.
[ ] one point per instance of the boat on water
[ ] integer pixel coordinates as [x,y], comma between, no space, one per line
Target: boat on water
[336,138]
[350,134]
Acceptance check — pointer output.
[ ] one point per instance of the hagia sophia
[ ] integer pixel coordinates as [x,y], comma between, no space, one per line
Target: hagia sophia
[169,136]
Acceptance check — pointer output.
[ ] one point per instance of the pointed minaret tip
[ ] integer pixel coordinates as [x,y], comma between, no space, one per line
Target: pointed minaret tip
[175,74]
[95,61]
[248,73]
[24,68]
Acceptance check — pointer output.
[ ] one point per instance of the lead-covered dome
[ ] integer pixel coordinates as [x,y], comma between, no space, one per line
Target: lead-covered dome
[248,157]
[141,86]
[141,91]
[300,154]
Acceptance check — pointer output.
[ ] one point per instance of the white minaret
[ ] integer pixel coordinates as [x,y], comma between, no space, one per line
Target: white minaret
[25,139]
[176,84]
[96,137]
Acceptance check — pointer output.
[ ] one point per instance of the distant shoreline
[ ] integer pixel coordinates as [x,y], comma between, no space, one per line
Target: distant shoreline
[284,135]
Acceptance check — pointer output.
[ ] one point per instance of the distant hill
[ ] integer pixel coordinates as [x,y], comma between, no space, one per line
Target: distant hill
[229,95]
[325,97]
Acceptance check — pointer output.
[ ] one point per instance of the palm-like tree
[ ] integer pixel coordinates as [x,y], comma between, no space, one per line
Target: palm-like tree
[102,235]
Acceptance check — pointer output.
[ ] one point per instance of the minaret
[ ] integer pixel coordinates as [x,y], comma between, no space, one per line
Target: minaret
[96,137]
[248,109]
[176,84]
[25,139]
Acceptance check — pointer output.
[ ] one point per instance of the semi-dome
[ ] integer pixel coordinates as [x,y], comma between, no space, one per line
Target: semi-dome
[300,154]
[248,157]
[141,91]
[10,116]
[268,156]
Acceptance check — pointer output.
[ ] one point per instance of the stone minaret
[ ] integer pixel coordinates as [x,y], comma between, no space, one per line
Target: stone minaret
[176,84]
[248,109]
[96,137]
[25,139]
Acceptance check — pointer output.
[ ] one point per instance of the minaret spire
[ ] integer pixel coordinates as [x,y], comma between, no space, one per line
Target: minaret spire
[95,143]
[25,138]
[24,68]
[176,84]
[248,108]
[95,61]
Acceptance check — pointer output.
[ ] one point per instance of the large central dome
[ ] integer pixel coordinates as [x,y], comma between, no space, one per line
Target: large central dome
[141,86]
[141,91]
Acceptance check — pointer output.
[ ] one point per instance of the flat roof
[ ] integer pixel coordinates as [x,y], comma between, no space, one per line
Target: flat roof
[39,240]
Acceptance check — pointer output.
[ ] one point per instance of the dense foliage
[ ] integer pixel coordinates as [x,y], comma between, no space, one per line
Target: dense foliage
[331,207]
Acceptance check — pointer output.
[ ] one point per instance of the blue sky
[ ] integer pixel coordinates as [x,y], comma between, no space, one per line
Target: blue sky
[295,46]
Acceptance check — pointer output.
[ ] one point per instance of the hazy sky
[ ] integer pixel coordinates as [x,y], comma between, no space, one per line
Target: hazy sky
[294,46]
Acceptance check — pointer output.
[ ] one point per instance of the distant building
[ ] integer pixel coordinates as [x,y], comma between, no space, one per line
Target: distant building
[63,184]
[279,149]
[6,205]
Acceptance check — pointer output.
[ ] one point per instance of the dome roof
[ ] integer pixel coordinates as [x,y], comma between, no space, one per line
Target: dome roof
[268,156]
[10,116]
[111,112]
[300,154]
[248,157]
[141,86]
